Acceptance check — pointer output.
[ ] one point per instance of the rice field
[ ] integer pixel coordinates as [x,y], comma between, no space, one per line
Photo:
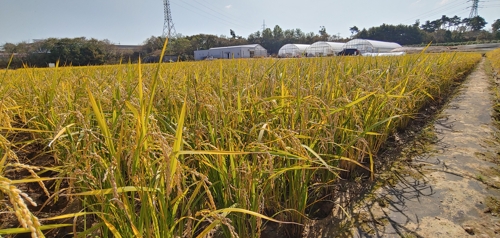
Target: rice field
[198,149]
[494,59]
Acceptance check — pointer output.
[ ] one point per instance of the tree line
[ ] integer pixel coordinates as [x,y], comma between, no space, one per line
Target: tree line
[83,51]
[78,51]
[442,30]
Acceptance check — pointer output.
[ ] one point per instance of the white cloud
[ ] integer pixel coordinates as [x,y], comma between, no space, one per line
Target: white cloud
[228,6]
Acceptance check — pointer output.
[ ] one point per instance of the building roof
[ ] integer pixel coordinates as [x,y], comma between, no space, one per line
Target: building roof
[237,46]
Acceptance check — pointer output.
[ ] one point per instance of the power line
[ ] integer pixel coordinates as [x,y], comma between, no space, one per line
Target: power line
[440,9]
[190,7]
[233,19]
[456,12]
[489,6]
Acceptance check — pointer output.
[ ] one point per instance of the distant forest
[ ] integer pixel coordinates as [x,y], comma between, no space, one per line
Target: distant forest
[82,51]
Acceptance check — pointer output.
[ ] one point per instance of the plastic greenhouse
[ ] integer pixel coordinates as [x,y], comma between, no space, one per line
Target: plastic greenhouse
[231,52]
[371,46]
[292,50]
[323,48]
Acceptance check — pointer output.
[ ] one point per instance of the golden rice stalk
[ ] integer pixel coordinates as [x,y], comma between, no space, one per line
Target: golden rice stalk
[17,200]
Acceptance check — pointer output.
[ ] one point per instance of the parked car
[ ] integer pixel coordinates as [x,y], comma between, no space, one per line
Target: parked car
[349,52]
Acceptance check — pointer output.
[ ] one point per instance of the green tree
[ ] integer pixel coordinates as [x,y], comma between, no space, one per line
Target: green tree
[477,23]
[181,46]
[9,48]
[278,38]
[496,29]
[153,44]
[299,35]
[68,51]
[444,21]
[457,36]
[289,36]
[267,34]
[363,34]
[455,22]
[278,33]
[428,26]
[417,23]
[354,30]
[441,36]
[274,39]
[78,51]
[402,34]
[495,26]
[267,41]
[322,33]
[255,38]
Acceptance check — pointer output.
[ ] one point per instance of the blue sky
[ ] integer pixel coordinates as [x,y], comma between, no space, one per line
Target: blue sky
[132,22]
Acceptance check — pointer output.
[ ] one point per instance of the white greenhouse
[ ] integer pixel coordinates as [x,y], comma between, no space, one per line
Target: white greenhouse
[292,50]
[231,52]
[323,48]
[371,46]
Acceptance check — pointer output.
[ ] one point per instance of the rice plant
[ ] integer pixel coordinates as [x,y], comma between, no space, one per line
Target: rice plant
[219,148]
[494,60]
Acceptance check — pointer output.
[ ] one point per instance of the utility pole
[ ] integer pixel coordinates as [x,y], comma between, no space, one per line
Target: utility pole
[168,23]
[264,26]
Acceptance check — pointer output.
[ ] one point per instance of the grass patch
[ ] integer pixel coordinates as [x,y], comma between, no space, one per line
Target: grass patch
[493,205]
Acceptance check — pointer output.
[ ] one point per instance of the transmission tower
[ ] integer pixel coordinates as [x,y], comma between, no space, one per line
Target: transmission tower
[168,24]
[473,10]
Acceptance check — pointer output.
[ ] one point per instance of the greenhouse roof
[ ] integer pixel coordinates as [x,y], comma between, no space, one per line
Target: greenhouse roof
[297,46]
[238,46]
[332,44]
[374,43]
[300,46]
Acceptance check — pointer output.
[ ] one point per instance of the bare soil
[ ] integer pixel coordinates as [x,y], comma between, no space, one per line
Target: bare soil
[449,190]
[31,152]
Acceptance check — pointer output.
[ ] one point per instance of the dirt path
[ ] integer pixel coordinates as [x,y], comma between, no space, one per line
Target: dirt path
[444,193]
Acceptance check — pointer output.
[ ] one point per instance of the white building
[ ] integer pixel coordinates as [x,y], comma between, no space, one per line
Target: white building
[292,50]
[231,52]
[371,46]
[323,48]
